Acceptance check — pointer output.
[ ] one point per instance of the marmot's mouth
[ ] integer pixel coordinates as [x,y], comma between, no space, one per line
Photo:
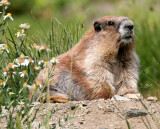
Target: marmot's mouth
[128,37]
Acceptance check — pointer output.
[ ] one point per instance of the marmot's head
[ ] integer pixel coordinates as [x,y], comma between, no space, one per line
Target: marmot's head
[106,37]
[115,28]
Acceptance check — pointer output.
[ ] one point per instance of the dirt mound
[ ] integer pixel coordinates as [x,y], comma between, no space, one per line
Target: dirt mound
[100,114]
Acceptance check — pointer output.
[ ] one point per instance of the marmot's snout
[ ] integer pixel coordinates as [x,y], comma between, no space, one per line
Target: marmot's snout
[126,30]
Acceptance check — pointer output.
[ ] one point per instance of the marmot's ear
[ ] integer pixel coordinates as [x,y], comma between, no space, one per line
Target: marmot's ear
[97,26]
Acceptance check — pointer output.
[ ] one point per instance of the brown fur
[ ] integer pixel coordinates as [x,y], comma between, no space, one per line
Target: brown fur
[100,65]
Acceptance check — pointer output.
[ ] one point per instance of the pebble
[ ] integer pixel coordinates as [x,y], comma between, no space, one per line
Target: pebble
[133,96]
[134,113]
[81,122]
[100,107]
[152,98]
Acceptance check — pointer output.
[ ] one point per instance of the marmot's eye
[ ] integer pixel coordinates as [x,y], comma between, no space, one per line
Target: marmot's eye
[110,23]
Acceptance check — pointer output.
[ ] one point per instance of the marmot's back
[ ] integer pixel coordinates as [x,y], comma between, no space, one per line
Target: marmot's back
[102,64]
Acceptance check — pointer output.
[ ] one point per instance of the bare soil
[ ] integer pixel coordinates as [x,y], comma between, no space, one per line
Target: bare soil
[99,114]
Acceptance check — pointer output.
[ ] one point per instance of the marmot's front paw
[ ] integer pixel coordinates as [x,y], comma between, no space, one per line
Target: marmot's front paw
[127,97]
[119,98]
[58,99]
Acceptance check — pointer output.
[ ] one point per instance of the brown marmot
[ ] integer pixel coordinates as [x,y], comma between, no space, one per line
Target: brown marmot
[102,64]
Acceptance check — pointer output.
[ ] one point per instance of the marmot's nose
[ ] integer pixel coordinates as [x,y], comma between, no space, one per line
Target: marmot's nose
[130,27]
[126,27]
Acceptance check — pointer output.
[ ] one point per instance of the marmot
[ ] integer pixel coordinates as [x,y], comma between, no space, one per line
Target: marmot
[104,63]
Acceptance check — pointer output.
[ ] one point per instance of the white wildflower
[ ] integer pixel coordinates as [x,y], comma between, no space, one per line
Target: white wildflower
[24,26]
[37,68]
[23,73]
[1,82]
[9,15]
[1,51]
[22,61]
[5,70]
[25,63]
[3,47]
[8,89]
[5,3]
[45,63]
[20,34]
[53,60]
[40,85]
[4,74]
[21,103]
[41,61]
[6,48]
[36,46]
[11,93]
[11,65]
[42,47]
[26,85]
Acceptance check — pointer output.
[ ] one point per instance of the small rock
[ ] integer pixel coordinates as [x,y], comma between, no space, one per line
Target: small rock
[81,122]
[119,98]
[84,104]
[73,107]
[109,109]
[134,113]
[88,112]
[133,96]
[152,98]
[100,107]
[95,100]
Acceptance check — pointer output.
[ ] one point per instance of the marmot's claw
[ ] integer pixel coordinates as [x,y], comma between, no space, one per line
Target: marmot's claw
[127,97]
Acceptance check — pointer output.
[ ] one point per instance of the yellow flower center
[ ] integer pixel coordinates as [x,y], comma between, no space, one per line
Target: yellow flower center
[25,84]
[34,44]
[5,70]
[10,65]
[53,58]
[29,59]
[35,67]
[43,47]
[0,50]
[46,62]
[5,47]
[1,81]
[21,103]
[34,85]
[41,58]
[9,14]
[22,55]
[11,93]
[21,60]
[24,72]
[18,32]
